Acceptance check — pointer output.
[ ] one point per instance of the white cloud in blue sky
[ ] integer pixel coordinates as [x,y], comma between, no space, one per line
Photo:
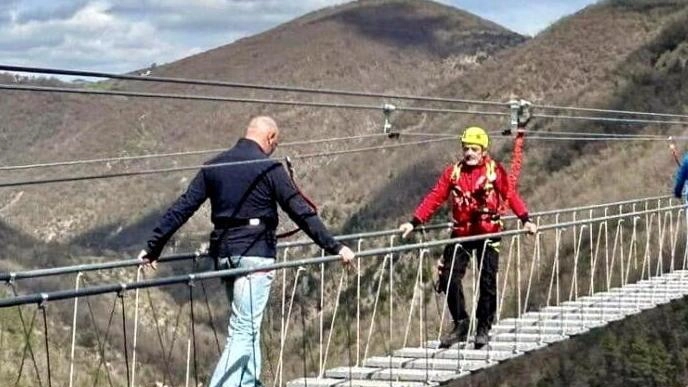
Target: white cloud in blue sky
[123,35]
[527,17]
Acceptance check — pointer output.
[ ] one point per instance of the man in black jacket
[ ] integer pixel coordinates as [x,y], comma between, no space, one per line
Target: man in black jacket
[244,199]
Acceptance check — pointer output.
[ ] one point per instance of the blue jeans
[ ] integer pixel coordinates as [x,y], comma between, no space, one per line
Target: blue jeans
[240,363]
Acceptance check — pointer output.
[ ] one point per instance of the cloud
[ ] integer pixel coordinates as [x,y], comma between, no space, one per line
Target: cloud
[55,10]
[526,17]
[89,36]
[7,9]
[242,17]
[124,35]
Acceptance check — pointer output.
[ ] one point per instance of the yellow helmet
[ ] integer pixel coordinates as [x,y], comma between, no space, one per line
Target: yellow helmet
[476,136]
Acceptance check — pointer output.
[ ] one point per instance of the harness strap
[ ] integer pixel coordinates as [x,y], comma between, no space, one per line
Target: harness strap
[290,169]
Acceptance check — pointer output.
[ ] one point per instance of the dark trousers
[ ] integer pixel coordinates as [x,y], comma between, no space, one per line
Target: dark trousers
[487,301]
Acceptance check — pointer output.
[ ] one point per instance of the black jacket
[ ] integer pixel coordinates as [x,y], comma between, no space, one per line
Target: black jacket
[238,193]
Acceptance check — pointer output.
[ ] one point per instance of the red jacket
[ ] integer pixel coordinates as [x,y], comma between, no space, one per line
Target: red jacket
[477,194]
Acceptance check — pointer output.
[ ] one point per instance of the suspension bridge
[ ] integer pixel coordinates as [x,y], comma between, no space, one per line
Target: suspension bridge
[626,257]
[376,325]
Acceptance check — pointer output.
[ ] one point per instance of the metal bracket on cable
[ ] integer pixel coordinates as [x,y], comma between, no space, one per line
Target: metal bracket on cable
[44,301]
[12,280]
[387,127]
[521,113]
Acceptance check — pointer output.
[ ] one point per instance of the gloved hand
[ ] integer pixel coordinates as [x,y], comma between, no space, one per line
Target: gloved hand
[148,259]
[531,228]
[406,229]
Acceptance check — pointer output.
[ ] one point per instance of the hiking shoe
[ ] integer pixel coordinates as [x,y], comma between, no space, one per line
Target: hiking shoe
[482,337]
[457,335]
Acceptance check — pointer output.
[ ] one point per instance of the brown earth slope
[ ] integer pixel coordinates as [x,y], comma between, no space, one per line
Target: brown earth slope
[618,54]
[392,46]
[611,55]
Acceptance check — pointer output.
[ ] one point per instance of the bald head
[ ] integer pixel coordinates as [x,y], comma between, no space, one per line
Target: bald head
[264,131]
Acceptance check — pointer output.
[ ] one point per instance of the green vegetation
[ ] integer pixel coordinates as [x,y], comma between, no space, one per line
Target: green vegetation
[648,349]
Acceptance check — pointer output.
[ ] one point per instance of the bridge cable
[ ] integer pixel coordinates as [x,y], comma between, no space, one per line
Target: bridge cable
[303,339]
[210,317]
[27,337]
[323,91]
[347,322]
[263,101]
[120,295]
[173,154]
[210,166]
[167,374]
[336,105]
[42,307]
[200,82]
[102,341]
[606,136]
[191,285]
[176,330]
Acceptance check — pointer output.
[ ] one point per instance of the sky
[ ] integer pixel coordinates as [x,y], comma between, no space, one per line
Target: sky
[124,35]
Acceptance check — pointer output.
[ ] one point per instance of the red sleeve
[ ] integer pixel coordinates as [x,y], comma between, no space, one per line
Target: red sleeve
[436,197]
[513,199]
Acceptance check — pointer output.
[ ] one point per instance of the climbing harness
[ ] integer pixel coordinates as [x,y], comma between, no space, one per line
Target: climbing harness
[387,127]
[290,169]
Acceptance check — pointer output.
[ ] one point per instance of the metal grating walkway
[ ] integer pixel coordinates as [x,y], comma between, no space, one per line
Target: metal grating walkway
[509,338]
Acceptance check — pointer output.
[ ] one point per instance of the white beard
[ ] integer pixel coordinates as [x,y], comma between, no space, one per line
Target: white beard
[471,161]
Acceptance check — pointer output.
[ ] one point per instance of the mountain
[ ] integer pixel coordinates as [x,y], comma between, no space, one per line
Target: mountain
[614,54]
[635,63]
[364,45]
